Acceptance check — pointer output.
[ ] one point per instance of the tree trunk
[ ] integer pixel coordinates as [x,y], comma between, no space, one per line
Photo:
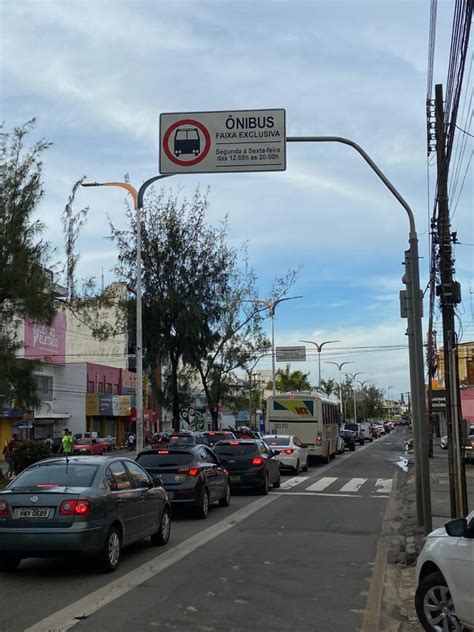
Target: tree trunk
[175,393]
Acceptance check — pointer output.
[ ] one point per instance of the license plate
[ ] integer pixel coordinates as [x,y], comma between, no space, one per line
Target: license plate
[26,512]
[235,479]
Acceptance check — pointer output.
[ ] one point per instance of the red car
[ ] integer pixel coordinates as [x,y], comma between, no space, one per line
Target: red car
[89,445]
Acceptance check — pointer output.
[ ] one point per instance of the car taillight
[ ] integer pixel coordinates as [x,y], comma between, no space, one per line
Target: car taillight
[233,443]
[75,508]
[287,451]
[190,471]
[163,451]
[257,460]
[319,439]
[3,508]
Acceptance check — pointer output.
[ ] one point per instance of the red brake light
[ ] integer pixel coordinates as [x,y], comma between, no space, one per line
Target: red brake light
[233,443]
[257,460]
[288,451]
[319,439]
[190,471]
[75,508]
[163,451]
[211,433]
[3,508]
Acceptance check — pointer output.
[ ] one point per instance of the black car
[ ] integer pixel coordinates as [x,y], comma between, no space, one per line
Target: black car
[192,475]
[349,437]
[86,505]
[250,463]
[187,438]
[213,436]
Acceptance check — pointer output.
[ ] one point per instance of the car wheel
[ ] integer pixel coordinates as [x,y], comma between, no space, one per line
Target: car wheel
[361,442]
[225,500]
[327,458]
[353,447]
[162,536]
[9,564]
[297,468]
[109,557]
[277,483]
[264,488]
[203,509]
[434,604]
[305,468]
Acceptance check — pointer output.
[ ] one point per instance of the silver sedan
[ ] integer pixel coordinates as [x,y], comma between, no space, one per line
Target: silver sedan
[290,451]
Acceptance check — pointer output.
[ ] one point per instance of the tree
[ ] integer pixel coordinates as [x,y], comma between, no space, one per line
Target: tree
[25,289]
[72,224]
[192,295]
[329,387]
[287,380]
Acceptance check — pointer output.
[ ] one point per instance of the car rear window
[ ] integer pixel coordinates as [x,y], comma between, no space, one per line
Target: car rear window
[56,474]
[181,439]
[354,427]
[277,440]
[169,459]
[219,436]
[241,449]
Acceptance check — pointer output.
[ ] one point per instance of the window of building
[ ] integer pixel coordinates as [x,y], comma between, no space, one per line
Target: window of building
[115,389]
[108,388]
[45,387]
[90,387]
[100,387]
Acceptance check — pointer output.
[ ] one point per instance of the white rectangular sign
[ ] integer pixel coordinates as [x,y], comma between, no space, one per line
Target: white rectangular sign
[216,142]
[295,354]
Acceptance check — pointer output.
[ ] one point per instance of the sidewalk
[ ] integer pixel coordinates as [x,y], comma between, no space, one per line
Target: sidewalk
[406,540]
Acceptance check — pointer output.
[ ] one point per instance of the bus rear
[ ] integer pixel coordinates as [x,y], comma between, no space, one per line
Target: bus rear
[299,415]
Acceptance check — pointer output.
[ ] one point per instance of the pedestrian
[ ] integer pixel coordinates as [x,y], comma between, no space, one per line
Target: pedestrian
[8,453]
[67,443]
[48,442]
[131,440]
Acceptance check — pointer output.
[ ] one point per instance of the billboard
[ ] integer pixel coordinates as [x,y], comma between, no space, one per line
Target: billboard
[46,342]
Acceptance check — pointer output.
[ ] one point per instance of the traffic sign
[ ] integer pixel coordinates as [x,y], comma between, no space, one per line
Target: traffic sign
[227,141]
[286,354]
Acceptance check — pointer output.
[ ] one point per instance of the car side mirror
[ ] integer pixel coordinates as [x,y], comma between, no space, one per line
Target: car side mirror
[157,480]
[456,528]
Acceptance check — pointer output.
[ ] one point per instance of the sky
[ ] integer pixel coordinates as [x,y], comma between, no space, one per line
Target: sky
[96,74]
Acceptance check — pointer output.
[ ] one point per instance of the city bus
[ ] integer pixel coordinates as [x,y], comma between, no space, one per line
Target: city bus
[311,417]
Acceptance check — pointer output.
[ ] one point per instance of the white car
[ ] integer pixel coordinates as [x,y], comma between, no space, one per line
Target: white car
[289,450]
[445,577]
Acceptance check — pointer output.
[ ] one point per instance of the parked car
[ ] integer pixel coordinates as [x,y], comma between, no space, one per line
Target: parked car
[340,445]
[187,438]
[289,451]
[469,445]
[192,475]
[349,437]
[443,442]
[388,425]
[89,505]
[380,428]
[366,431]
[445,572]
[213,436]
[355,427]
[250,463]
[89,445]
[375,430]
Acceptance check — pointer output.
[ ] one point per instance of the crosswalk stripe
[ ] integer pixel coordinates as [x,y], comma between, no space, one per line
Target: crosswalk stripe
[353,485]
[292,482]
[320,485]
[383,485]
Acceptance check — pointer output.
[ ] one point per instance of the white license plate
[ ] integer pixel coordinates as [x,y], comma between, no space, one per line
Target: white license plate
[235,479]
[26,512]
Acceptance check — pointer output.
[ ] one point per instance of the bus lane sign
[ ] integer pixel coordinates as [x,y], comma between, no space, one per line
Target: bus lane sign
[226,141]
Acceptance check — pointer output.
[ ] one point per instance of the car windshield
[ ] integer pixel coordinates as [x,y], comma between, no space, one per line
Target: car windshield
[165,459]
[351,427]
[346,433]
[276,440]
[56,474]
[241,449]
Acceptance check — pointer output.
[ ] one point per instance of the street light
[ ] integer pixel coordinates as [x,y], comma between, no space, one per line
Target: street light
[318,349]
[339,367]
[389,401]
[137,197]
[271,306]
[352,377]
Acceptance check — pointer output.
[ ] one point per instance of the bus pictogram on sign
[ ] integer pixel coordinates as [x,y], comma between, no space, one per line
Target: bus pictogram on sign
[186,142]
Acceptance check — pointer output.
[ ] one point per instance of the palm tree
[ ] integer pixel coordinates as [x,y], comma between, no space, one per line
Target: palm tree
[329,386]
[287,380]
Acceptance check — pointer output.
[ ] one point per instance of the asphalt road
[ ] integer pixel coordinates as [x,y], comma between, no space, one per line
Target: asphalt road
[299,559]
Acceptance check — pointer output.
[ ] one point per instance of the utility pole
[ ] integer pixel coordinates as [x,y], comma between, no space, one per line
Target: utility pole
[449,292]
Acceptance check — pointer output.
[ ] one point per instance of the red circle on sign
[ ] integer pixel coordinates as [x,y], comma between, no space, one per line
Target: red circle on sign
[198,159]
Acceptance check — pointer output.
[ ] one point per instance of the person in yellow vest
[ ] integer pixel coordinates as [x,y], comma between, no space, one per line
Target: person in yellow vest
[67,443]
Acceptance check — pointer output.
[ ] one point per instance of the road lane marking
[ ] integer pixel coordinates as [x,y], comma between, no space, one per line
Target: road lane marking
[71,615]
[321,485]
[383,485]
[328,495]
[292,482]
[353,485]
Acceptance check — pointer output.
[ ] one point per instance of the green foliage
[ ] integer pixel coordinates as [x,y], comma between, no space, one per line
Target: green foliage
[329,387]
[287,380]
[25,290]
[26,453]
